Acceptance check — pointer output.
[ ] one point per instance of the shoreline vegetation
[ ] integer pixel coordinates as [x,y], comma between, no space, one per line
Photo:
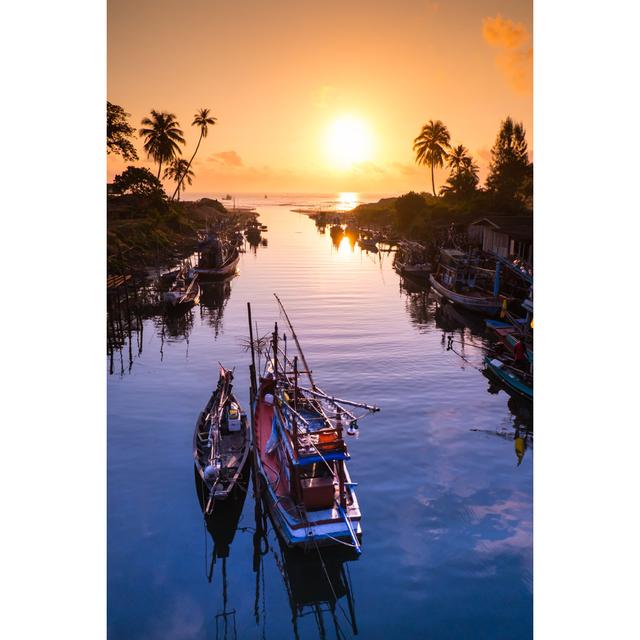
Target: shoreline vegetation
[429,217]
[147,229]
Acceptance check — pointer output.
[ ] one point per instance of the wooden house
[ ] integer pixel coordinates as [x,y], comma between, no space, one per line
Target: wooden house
[506,236]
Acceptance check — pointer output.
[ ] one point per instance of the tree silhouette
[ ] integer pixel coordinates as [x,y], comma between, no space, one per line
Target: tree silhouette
[163,137]
[463,179]
[179,172]
[431,146]
[138,181]
[201,119]
[118,133]
[509,170]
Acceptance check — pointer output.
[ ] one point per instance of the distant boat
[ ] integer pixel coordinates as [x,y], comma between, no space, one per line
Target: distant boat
[227,197]
[221,442]
[182,296]
[517,382]
[301,455]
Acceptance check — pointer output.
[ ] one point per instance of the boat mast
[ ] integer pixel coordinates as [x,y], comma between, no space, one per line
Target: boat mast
[295,337]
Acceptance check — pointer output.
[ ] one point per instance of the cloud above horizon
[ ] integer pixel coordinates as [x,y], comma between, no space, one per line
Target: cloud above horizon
[515,58]
[226,159]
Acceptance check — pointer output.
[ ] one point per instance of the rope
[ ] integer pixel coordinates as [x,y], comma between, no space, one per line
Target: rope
[326,573]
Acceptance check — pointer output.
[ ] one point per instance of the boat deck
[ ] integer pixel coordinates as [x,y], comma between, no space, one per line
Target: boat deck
[279,482]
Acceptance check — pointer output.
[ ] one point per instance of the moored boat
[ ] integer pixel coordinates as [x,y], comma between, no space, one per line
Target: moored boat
[221,442]
[411,260]
[301,454]
[466,284]
[516,380]
[181,296]
[215,260]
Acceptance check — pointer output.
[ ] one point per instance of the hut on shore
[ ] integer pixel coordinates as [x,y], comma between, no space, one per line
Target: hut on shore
[505,236]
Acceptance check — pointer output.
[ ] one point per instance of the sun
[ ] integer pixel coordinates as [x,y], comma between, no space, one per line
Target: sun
[348,142]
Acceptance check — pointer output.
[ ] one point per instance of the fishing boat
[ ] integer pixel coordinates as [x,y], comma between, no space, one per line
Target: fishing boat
[169,276]
[215,260]
[301,454]
[181,296]
[411,260]
[222,525]
[467,284]
[221,442]
[516,381]
[369,244]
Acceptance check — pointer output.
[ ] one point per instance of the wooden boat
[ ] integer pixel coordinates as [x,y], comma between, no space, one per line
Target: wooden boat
[411,260]
[301,455]
[221,442]
[369,244]
[516,381]
[227,267]
[181,296]
[169,276]
[466,284]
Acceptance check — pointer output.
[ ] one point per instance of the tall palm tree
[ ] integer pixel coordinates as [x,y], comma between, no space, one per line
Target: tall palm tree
[179,172]
[163,137]
[431,146]
[201,119]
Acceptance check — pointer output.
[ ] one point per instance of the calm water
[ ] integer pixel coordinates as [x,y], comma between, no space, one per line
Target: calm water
[447,509]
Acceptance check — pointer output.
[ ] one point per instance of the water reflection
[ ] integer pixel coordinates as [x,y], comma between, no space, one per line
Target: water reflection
[317,582]
[222,526]
[128,305]
[213,299]
[347,200]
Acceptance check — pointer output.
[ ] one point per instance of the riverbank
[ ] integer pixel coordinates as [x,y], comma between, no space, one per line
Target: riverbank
[150,232]
[414,216]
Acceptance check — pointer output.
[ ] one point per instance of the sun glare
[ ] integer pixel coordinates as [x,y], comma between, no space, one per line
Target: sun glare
[349,141]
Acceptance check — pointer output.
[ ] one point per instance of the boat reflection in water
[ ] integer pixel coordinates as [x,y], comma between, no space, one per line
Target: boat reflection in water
[317,581]
[222,525]
[449,317]
[213,299]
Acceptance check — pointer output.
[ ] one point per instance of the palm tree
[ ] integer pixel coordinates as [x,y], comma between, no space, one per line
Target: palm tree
[431,146]
[463,178]
[201,119]
[163,137]
[458,158]
[179,172]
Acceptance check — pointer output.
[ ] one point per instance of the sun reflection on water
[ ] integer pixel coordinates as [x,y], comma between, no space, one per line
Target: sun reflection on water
[347,200]
[344,248]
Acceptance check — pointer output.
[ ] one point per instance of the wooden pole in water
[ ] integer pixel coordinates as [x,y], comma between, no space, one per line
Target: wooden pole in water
[253,354]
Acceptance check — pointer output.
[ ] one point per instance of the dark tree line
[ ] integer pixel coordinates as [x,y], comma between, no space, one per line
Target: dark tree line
[510,180]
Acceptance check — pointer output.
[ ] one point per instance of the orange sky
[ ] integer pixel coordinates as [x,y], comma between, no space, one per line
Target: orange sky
[277,74]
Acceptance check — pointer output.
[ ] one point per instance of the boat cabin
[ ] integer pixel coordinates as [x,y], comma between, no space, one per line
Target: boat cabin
[314,452]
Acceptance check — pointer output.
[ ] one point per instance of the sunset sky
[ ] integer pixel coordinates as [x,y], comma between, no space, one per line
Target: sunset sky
[321,96]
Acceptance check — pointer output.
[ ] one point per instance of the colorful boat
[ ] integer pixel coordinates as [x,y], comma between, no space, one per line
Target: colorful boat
[221,442]
[516,381]
[301,454]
